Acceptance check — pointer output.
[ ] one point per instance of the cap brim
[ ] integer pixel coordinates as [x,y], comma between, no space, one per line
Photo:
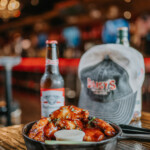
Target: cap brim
[119,112]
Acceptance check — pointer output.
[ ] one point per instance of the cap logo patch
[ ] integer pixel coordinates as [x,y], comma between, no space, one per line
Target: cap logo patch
[101,87]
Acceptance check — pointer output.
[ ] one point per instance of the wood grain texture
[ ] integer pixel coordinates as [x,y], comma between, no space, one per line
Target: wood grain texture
[11,138]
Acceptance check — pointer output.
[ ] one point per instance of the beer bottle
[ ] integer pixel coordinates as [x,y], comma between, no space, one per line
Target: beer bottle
[122,38]
[52,83]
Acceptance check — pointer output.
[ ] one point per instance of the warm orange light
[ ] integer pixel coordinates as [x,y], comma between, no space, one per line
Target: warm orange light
[3,3]
[9,8]
[127,14]
[127,1]
[34,2]
[95,13]
[113,12]
[13,4]
[17,13]
[2,8]
[5,15]
[26,43]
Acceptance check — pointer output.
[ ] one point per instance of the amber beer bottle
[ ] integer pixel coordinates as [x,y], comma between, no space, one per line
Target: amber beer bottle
[52,83]
[122,38]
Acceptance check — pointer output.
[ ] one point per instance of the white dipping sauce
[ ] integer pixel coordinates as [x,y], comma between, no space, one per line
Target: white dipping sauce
[69,135]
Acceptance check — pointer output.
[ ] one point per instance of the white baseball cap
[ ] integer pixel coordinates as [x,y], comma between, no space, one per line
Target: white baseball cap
[111,75]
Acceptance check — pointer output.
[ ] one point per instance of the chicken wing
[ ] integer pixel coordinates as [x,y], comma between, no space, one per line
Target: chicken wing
[93,134]
[37,130]
[69,112]
[106,127]
[49,130]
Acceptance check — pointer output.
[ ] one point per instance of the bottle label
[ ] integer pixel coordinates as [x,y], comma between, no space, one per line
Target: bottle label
[52,62]
[51,100]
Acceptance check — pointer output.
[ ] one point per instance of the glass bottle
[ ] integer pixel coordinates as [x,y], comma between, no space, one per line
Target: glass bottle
[52,83]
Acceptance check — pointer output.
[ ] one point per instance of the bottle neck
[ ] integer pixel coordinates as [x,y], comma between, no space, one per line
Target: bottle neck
[52,59]
[122,36]
[123,40]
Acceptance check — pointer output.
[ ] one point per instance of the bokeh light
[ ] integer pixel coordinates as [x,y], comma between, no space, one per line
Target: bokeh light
[127,14]
[9,8]
[3,3]
[127,1]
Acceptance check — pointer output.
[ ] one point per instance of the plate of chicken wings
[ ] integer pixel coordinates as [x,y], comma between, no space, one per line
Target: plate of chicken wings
[69,118]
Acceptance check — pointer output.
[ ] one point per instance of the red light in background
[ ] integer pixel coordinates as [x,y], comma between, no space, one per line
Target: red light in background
[17,13]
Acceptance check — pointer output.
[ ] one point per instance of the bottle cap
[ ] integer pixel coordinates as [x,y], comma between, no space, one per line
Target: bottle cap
[123,28]
[51,42]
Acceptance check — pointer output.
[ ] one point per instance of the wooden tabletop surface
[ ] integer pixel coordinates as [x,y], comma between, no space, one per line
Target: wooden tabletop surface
[11,138]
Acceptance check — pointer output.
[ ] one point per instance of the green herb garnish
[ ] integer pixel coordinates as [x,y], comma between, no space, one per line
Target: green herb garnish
[72,109]
[49,120]
[91,120]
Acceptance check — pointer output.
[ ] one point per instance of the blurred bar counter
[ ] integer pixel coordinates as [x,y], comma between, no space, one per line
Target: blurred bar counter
[65,65]
[27,75]
[38,65]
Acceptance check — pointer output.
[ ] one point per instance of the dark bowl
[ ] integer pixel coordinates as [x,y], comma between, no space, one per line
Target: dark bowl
[108,144]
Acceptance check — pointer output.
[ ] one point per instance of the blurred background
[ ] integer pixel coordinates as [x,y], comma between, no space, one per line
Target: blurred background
[77,25]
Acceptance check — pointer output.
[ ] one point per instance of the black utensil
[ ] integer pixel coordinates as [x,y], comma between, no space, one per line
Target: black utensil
[135,130]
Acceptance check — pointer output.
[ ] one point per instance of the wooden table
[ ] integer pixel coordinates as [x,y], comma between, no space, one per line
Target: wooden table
[11,138]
